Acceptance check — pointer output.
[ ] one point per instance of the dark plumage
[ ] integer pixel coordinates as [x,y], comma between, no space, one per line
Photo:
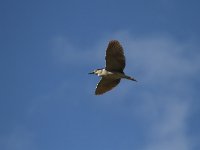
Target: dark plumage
[113,72]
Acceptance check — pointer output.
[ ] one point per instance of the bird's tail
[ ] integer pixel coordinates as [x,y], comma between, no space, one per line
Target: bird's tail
[129,78]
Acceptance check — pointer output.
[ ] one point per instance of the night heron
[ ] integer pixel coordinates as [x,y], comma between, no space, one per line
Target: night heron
[113,72]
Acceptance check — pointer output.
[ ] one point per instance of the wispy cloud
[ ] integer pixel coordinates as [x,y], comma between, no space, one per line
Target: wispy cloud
[166,70]
[65,52]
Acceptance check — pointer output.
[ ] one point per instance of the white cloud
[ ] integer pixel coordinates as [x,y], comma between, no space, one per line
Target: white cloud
[165,70]
[162,98]
[71,55]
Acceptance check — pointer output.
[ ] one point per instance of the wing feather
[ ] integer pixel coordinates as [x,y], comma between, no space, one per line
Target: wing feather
[115,59]
[106,85]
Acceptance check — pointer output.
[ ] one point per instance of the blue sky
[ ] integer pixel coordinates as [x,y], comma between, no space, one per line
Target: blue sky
[47,98]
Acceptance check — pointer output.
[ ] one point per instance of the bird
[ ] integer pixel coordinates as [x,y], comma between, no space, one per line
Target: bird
[113,72]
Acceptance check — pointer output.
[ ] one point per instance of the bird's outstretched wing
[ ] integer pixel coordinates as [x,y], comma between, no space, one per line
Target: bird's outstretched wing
[115,59]
[106,85]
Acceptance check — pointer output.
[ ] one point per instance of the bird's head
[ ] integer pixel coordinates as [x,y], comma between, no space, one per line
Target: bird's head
[96,71]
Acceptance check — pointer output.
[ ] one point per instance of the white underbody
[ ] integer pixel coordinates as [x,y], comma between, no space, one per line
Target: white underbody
[111,75]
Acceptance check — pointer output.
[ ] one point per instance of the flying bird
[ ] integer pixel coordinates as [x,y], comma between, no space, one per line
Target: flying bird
[113,72]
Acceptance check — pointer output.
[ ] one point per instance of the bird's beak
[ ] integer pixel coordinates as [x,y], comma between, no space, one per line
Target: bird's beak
[91,72]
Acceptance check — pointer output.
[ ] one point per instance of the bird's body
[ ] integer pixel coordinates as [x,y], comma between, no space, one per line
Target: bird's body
[113,72]
[111,75]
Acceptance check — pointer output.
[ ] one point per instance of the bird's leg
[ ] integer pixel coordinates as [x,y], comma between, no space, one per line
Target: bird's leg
[129,78]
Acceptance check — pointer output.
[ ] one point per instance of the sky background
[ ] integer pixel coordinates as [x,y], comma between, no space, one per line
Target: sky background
[47,99]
